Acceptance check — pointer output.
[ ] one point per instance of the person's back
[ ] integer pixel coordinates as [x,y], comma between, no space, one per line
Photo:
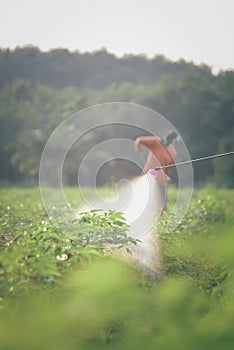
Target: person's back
[159,153]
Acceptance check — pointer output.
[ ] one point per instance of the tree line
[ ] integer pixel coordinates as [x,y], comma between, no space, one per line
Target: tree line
[38,90]
[60,68]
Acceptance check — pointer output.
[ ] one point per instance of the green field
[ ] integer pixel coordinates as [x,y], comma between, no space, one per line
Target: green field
[57,292]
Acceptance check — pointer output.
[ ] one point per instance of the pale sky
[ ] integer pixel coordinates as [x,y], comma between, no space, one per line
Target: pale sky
[201,31]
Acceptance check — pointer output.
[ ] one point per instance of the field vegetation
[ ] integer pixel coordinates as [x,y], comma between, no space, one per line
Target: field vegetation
[66,287]
[57,292]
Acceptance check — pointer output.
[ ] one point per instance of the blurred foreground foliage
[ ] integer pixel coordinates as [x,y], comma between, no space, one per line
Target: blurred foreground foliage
[188,249]
[98,302]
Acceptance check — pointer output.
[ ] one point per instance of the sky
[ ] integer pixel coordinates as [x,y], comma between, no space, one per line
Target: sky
[201,31]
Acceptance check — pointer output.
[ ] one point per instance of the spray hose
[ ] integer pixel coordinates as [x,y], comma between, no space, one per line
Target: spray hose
[195,160]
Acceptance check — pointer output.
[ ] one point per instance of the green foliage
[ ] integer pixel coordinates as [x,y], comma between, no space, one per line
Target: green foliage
[39,90]
[103,307]
[183,251]
[100,303]
[34,253]
[105,229]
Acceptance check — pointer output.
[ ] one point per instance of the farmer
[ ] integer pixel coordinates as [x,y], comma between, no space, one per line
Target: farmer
[162,152]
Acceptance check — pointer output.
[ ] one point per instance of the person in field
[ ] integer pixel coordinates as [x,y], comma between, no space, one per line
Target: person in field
[162,152]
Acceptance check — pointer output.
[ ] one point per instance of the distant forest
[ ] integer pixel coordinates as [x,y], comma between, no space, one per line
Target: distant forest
[61,68]
[39,89]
